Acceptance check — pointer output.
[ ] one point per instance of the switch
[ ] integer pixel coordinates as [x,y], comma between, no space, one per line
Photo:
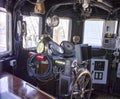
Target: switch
[96,75]
[100,76]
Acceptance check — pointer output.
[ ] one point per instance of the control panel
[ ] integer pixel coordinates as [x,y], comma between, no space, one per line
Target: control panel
[99,69]
[109,41]
[109,34]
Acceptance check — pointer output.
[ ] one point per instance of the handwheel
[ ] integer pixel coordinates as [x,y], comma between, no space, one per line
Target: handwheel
[82,86]
[40,66]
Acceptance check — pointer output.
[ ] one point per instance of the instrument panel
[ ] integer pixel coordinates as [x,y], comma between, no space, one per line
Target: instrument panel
[99,69]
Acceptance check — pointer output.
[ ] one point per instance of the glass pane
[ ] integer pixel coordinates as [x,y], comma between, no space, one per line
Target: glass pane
[62,31]
[3,32]
[93,31]
[30,39]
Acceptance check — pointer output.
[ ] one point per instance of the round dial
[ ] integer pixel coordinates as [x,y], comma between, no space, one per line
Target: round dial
[56,48]
[40,47]
[52,21]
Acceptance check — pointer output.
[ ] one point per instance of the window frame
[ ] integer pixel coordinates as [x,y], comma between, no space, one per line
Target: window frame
[8,33]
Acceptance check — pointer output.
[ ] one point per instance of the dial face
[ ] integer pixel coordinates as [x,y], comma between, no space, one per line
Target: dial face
[40,47]
[58,48]
[53,21]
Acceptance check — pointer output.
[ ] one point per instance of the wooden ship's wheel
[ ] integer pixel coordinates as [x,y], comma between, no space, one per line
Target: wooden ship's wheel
[82,86]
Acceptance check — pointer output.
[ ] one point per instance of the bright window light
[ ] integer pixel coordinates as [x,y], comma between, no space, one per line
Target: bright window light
[93,32]
[5,32]
[31,38]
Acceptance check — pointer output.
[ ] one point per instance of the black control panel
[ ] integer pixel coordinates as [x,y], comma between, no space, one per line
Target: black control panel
[99,65]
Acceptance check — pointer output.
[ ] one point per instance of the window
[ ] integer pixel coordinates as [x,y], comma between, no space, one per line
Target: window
[31,37]
[93,32]
[5,32]
[63,30]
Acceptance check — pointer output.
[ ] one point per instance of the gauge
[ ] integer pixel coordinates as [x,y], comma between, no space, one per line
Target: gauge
[76,39]
[52,21]
[40,47]
[56,49]
[67,46]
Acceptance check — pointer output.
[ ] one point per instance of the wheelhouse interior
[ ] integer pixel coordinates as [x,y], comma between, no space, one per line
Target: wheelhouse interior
[69,49]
